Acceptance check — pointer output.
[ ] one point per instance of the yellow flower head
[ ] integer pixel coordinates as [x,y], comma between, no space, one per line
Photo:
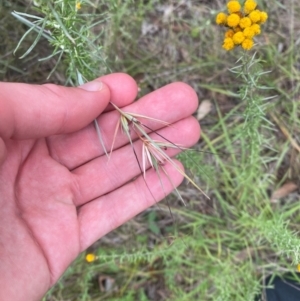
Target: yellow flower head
[228,44]
[78,5]
[256,29]
[245,22]
[233,20]
[247,44]
[249,6]
[238,38]
[90,257]
[221,19]
[255,16]
[229,33]
[298,267]
[263,17]
[233,6]
[249,32]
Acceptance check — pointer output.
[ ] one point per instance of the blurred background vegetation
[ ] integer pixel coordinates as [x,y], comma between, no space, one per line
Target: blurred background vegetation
[217,249]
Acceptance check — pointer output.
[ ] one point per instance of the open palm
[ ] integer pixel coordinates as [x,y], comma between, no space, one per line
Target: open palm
[59,192]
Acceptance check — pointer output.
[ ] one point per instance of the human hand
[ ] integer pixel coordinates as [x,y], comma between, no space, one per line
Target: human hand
[58,191]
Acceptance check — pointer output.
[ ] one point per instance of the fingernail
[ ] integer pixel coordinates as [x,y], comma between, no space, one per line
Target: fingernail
[93,86]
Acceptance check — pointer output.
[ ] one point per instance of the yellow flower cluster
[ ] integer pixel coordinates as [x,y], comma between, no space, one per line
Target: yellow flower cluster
[243,24]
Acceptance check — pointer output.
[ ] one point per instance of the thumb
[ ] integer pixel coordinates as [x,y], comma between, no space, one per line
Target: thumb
[34,111]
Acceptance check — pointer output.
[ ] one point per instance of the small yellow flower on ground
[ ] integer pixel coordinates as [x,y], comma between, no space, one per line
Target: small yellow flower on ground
[298,267]
[228,44]
[263,17]
[245,22]
[247,44]
[221,18]
[90,257]
[249,6]
[233,6]
[255,16]
[238,38]
[233,20]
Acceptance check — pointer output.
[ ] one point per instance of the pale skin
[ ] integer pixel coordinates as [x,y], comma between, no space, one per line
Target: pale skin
[59,193]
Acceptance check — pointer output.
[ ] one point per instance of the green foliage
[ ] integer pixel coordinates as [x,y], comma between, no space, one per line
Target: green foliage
[70,34]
